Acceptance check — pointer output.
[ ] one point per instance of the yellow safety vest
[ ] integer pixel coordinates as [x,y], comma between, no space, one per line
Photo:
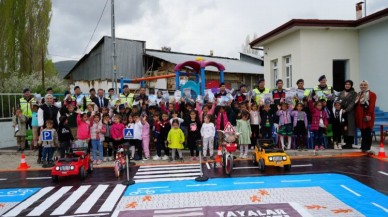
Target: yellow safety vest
[128,99]
[26,107]
[260,95]
[326,91]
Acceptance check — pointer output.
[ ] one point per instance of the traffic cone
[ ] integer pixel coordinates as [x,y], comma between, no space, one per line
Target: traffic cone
[381,151]
[23,164]
[219,154]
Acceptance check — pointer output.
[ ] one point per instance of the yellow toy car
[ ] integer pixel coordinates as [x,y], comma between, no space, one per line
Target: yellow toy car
[267,154]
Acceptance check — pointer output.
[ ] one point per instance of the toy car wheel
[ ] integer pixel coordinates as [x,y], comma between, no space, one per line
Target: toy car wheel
[90,169]
[82,173]
[117,169]
[287,167]
[223,160]
[254,159]
[55,178]
[229,165]
[261,165]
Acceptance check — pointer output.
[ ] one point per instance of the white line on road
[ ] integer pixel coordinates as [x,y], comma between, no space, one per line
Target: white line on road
[165,175]
[37,211]
[170,165]
[351,191]
[379,206]
[242,168]
[384,173]
[244,183]
[18,209]
[165,179]
[3,179]
[141,169]
[197,185]
[92,199]
[70,201]
[302,180]
[208,165]
[303,165]
[167,171]
[112,198]
[37,178]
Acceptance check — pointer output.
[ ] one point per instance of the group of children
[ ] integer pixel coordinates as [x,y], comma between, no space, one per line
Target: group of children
[172,126]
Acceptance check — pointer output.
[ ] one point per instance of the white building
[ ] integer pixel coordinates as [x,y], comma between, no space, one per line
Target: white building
[339,49]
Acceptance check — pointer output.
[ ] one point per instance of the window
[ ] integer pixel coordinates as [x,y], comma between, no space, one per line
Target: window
[288,71]
[275,71]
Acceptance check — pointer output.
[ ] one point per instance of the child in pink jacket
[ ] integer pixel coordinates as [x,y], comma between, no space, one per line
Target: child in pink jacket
[319,123]
[145,135]
[83,130]
[117,133]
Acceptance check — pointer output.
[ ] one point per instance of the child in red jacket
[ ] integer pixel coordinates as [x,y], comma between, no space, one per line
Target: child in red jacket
[117,133]
[319,123]
[83,130]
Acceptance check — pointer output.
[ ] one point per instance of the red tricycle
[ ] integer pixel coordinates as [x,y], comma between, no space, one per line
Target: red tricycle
[76,162]
[120,161]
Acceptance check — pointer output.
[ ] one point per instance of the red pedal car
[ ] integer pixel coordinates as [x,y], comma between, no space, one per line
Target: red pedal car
[76,163]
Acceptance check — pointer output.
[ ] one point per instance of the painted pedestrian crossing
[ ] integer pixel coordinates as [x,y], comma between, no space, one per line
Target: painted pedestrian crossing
[160,173]
[98,200]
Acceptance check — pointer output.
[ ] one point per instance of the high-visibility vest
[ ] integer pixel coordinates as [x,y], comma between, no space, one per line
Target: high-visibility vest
[307,92]
[260,95]
[26,107]
[326,91]
[129,99]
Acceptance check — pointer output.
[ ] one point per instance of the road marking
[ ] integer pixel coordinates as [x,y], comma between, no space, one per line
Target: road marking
[92,199]
[165,179]
[241,168]
[244,183]
[197,185]
[170,165]
[302,180]
[155,187]
[97,214]
[170,168]
[37,211]
[208,165]
[37,178]
[384,173]
[3,179]
[166,172]
[70,201]
[351,191]
[19,208]
[302,165]
[178,210]
[379,206]
[112,198]
[166,175]
[302,211]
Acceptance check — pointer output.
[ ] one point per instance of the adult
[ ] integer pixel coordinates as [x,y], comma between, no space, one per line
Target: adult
[260,90]
[77,92]
[241,96]
[306,94]
[25,104]
[222,91]
[92,96]
[126,97]
[278,95]
[322,90]
[365,114]
[300,84]
[347,98]
[142,98]
[112,98]
[100,100]
[50,90]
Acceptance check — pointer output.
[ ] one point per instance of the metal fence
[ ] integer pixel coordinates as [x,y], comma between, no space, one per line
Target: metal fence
[8,103]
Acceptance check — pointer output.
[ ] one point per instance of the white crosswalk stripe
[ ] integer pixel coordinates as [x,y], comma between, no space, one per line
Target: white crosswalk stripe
[82,199]
[159,173]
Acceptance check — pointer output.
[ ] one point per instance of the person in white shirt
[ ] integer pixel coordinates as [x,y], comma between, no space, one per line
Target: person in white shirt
[207,132]
[137,132]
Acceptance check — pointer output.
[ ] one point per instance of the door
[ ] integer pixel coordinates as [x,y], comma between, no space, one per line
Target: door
[339,74]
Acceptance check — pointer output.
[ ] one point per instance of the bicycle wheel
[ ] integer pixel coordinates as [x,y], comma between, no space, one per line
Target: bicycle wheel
[228,164]
[117,168]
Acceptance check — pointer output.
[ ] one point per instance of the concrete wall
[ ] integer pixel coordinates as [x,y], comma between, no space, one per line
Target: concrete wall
[6,135]
[373,60]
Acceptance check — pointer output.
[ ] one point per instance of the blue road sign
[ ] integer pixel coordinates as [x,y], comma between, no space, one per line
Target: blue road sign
[128,133]
[47,136]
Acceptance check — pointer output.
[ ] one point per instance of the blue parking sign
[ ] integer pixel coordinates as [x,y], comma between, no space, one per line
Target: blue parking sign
[47,136]
[128,133]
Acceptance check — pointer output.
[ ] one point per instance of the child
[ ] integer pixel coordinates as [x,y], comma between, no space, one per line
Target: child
[266,123]
[339,123]
[175,117]
[300,125]
[285,124]
[255,122]
[221,120]
[19,124]
[64,136]
[175,140]
[205,111]
[97,131]
[35,126]
[117,133]
[158,128]
[244,129]
[83,129]
[194,134]
[48,146]
[145,136]
[107,144]
[137,133]
[330,116]
[318,123]
[129,124]
[72,121]
[207,132]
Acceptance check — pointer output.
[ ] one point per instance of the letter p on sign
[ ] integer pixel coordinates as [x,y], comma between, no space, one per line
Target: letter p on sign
[47,136]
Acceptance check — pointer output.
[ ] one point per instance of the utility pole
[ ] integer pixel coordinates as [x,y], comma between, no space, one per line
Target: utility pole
[365,9]
[114,57]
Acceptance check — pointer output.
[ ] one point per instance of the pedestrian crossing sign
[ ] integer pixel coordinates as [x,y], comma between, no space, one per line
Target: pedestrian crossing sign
[128,133]
[229,128]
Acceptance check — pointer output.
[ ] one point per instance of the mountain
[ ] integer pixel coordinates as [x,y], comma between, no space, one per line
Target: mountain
[64,67]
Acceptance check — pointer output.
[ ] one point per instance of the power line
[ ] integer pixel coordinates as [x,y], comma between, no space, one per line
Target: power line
[95,27]
[55,55]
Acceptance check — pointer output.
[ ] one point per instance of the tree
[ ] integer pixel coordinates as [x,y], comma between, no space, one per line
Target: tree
[24,36]
[246,48]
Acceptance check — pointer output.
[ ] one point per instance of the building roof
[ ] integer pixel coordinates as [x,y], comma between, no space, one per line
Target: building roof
[252,55]
[231,65]
[295,24]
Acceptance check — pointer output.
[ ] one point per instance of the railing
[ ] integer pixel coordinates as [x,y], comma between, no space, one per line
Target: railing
[8,103]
